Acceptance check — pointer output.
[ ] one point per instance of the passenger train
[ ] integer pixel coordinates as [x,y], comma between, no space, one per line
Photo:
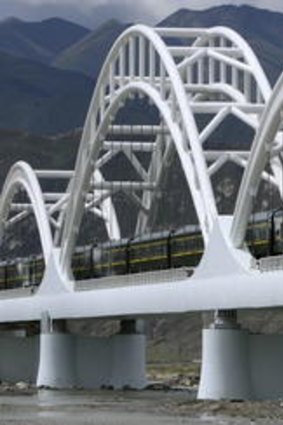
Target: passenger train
[156,251]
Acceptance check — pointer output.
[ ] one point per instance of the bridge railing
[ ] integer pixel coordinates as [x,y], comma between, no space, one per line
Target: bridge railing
[268,264]
[146,278]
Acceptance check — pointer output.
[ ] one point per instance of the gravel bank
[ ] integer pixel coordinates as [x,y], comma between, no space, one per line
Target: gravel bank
[28,406]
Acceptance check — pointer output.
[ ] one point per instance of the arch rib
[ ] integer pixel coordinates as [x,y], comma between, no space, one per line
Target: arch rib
[250,57]
[165,111]
[98,120]
[166,83]
[22,175]
[260,155]
[219,31]
[108,211]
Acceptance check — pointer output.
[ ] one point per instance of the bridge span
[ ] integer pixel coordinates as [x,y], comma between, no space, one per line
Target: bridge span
[185,83]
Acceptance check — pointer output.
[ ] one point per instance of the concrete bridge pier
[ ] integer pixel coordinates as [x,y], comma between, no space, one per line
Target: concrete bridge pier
[225,372]
[18,355]
[129,356]
[67,360]
[56,355]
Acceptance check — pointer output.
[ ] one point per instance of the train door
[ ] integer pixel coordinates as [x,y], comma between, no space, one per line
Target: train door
[276,232]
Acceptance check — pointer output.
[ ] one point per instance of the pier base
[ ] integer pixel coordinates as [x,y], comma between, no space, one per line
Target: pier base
[116,362]
[239,365]
[57,366]
[128,357]
[67,360]
[225,372]
[18,357]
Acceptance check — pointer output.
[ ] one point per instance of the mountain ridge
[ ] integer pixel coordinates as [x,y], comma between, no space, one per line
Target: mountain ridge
[86,54]
[80,56]
[39,41]
[39,98]
[250,22]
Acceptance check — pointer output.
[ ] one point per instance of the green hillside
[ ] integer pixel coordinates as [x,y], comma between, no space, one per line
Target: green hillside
[38,40]
[54,99]
[39,151]
[88,54]
[39,98]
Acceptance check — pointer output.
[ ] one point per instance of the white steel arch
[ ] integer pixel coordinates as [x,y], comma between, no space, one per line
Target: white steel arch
[96,202]
[267,143]
[165,111]
[95,125]
[21,175]
[216,74]
[107,210]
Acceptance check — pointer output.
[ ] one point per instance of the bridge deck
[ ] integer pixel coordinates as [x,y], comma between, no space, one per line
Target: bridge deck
[114,281]
[136,297]
[16,293]
[135,279]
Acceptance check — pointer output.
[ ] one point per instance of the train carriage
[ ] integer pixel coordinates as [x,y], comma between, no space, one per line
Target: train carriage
[186,247]
[148,252]
[156,251]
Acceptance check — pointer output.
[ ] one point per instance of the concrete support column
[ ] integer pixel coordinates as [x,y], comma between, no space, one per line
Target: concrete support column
[57,361]
[225,372]
[129,356]
[18,356]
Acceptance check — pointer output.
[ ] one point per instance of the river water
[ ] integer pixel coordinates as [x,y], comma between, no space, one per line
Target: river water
[47,407]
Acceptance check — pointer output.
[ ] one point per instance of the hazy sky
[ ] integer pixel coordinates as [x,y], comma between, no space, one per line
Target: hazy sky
[93,12]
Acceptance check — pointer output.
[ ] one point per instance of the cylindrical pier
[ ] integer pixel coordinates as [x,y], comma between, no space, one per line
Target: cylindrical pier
[129,356]
[57,363]
[225,372]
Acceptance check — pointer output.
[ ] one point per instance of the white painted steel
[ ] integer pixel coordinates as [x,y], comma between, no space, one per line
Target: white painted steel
[89,135]
[21,176]
[260,155]
[126,72]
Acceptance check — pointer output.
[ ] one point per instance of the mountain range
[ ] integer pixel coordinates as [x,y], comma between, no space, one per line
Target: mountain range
[40,41]
[48,69]
[262,29]
[88,54]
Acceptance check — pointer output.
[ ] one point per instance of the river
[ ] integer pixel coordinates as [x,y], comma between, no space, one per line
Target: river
[45,407]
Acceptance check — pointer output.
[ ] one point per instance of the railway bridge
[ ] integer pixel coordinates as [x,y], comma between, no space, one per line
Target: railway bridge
[162,93]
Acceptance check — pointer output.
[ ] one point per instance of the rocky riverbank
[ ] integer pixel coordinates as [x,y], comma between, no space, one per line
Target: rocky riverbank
[170,399]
